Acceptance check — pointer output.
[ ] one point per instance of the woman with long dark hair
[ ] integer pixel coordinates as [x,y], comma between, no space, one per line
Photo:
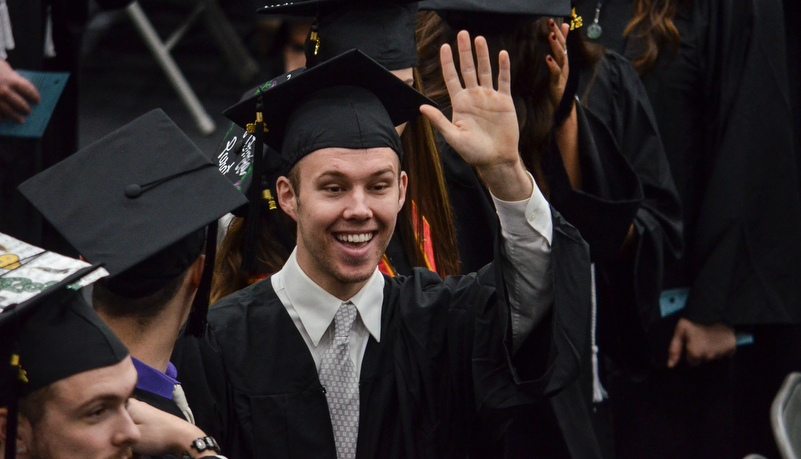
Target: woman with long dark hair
[716,75]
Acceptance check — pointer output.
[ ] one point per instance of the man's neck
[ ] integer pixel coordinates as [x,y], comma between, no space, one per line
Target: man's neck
[152,340]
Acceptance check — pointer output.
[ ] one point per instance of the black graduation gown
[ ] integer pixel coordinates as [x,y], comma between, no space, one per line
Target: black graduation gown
[723,108]
[721,101]
[442,363]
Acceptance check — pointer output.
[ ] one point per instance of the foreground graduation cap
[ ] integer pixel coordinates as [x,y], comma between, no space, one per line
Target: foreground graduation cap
[384,30]
[138,201]
[47,338]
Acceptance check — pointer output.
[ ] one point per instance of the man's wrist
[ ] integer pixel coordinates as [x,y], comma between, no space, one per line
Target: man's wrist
[507,181]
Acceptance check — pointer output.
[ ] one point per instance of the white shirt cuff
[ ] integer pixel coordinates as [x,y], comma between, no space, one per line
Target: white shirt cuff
[519,217]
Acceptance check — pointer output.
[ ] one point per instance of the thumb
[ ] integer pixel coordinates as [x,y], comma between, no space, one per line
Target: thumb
[438,120]
[676,346]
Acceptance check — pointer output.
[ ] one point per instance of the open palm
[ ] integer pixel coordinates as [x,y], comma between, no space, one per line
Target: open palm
[484,128]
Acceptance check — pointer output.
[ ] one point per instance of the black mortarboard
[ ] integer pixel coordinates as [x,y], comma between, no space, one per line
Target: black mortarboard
[137,201]
[384,30]
[47,338]
[306,115]
[481,17]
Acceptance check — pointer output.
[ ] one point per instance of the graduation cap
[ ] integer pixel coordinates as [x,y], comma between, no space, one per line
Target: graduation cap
[481,17]
[47,338]
[138,201]
[384,29]
[349,101]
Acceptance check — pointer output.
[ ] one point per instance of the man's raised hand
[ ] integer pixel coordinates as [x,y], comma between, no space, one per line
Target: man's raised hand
[484,129]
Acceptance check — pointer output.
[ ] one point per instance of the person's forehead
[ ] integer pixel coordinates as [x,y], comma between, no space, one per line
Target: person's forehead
[116,381]
[363,160]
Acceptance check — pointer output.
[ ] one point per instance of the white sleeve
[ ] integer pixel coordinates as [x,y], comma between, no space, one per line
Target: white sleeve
[527,232]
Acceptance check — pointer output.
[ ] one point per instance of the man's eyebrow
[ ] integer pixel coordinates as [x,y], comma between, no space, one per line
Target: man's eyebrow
[102,398]
[339,174]
[409,81]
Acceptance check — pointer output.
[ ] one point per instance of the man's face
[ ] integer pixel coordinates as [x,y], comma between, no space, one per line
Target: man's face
[345,209]
[85,417]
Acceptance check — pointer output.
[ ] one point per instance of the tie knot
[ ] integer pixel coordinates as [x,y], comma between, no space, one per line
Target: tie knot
[343,320]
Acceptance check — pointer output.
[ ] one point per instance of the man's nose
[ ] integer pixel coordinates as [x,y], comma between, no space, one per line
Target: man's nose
[358,207]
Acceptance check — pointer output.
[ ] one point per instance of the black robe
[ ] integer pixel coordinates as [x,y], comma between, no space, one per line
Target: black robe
[442,364]
[722,104]
[723,108]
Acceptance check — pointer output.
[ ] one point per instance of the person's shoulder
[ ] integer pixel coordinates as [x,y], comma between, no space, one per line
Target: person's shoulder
[235,305]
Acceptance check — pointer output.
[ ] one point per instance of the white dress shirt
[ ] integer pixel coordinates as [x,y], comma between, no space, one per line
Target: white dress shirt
[527,231]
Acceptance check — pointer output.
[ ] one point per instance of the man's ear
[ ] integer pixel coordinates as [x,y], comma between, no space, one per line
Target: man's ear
[196,271]
[24,434]
[287,198]
[403,182]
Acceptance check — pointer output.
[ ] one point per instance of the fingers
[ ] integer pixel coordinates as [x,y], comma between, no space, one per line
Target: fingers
[8,112]
[676,346]
[484,66]
[504,74]
[26,89]
[466,64]
[558,44]
[449,74]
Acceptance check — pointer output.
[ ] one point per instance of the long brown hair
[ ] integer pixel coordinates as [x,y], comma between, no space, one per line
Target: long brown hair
[427,191]
[653,23]
[527,47]
[271,251]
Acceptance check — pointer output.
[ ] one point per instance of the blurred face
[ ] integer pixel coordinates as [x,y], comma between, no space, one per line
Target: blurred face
[86,417]
[407,76]
[345,208]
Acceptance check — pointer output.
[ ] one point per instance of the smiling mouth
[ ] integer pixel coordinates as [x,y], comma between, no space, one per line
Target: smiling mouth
[355,238]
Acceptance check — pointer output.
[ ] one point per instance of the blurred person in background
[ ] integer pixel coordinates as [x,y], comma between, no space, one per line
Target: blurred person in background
[38,35]
[716,74]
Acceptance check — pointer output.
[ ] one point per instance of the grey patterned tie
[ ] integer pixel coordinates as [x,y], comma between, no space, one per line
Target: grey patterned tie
[338,376]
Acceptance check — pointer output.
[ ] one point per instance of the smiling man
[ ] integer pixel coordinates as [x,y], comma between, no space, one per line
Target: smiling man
[330,358]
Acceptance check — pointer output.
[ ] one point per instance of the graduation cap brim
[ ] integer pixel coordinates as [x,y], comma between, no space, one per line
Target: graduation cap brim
[310,8]
[550,8]
[352,68]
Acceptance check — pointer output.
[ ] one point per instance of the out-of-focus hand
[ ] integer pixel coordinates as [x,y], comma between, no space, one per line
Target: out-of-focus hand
[16,94]
[557,64]
[484,130]
[700,343]
[163,433]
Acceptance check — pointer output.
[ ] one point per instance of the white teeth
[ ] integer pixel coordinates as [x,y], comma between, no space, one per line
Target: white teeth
[355,238]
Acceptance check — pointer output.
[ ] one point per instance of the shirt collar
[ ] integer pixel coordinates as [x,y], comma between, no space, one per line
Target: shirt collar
[154,381]
[317,308]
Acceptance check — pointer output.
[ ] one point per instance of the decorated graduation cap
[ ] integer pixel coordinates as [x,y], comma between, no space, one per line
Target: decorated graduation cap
[139,201]
[51,335]
[384,29]
[349,101]
[494,16]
